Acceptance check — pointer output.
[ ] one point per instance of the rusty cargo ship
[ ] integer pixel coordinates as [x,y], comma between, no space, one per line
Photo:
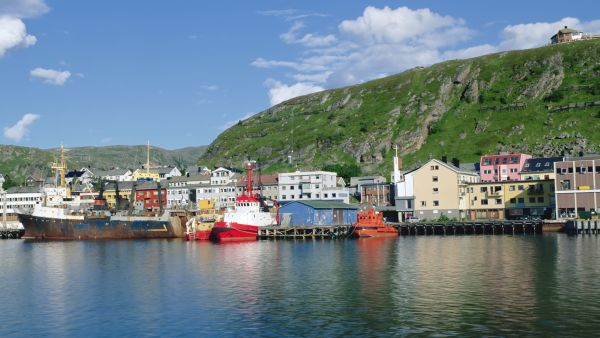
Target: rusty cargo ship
[64,224]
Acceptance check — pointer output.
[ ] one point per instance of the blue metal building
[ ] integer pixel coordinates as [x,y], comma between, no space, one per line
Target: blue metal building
[310,213]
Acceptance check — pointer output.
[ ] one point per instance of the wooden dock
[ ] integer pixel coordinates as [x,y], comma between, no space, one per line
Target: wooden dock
[471,228]
[305,232]
[583,227]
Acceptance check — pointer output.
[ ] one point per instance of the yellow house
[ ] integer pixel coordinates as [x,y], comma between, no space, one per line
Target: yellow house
[511,199]
[440,189]
[110,192]
[143,174]
[531,198]
[486,200]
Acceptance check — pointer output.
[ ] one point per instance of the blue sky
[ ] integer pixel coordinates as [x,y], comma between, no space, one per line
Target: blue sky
[178,73]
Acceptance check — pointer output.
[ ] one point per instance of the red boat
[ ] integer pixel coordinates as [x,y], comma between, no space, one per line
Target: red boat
[370,224]
[250,213]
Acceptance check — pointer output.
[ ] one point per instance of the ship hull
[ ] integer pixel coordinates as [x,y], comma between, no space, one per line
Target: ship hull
[199,235]
[228,231]
[101,228]
[362,232]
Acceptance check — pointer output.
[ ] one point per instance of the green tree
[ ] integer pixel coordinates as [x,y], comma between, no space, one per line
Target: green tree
[344,170]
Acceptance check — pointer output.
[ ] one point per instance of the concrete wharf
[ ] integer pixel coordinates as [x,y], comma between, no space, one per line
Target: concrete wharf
[471,228]
[305,232]
[583,227]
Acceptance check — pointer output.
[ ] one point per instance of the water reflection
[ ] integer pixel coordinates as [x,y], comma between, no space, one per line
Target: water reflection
[464,285]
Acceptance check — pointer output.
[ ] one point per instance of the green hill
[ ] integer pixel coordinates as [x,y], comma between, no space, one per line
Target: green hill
[19,162]
[459,108]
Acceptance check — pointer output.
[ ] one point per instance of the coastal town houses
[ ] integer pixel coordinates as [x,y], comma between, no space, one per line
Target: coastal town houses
[21,198]
[145,173]
[35,180]
[181,190]
[265,185]
[311,185]
[167,172]
[539,168]
[110,192]
[577,186]
[519,199]
[502,167]
[356,184]
[150,196]
[440,189]
[115,174]
[405,196]
[82,176]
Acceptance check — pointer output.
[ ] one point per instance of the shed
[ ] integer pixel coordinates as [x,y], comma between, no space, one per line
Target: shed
[312,212]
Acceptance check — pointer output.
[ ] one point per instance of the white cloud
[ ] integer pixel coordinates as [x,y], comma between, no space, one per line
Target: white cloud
[279,92]
[470,52]
[404,25]
[230,123]
[532,34]
[291,14]
[13,34]
[23,8]
[308,40]
[316,77]
[21,128]
[51,76]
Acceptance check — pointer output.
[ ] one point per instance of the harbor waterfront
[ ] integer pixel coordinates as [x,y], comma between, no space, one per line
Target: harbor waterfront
[453,285]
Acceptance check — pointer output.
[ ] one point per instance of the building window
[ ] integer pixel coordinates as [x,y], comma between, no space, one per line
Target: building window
[540,200]
[531,199]
[521,200]
[436,203]
[435,178]
[521,188]
[565,184]
[484,202]
[423,203]
[498,201]
[283,197]
[487,161]
[513,200]
[483,189]
[435,190]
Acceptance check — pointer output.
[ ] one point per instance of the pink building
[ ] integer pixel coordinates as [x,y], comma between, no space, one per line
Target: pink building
[502,167]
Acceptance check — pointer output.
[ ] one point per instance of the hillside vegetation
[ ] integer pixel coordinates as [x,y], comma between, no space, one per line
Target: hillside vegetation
[19,162]
[460,108]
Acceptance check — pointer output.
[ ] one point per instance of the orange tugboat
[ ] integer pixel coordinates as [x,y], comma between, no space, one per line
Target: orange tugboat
[370,224]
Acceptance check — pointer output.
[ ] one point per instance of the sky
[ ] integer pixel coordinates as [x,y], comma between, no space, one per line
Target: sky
[178,73]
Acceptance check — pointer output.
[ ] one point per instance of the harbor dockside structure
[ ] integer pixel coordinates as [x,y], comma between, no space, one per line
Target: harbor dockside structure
[577,186]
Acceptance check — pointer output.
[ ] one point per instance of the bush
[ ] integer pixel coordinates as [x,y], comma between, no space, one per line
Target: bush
[555,96]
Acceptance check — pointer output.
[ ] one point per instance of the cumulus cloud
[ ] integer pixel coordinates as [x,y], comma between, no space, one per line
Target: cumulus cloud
[279,92]
[21,128]
[51,76]
[13,34]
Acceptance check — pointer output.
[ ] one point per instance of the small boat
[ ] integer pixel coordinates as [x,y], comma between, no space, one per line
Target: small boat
[200,226]
[370,224]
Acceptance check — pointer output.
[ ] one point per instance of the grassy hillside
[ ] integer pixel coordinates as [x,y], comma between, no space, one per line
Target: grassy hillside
[19,162]
[459,108]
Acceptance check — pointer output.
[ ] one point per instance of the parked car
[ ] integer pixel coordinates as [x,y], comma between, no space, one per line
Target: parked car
[412,219]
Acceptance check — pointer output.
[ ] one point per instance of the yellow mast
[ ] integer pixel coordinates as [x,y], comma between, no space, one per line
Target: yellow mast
[148,159]
[61,168]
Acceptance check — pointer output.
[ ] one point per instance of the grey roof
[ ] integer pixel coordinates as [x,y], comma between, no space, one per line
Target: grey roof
[23,190]
[122,185]
[319,204]
[540,164]
[472,167]
[189,178]
[111,172]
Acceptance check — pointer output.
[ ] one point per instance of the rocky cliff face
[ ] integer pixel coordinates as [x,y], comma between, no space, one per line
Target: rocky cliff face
[542,101]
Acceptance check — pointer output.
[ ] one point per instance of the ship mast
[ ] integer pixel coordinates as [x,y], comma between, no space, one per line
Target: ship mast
[249,180]
[148,159]
[61,168]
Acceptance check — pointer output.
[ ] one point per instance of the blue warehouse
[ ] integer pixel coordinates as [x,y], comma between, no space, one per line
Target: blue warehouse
[310,213]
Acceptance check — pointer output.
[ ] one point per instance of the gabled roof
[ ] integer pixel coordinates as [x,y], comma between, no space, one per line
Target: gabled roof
[272,179]
[318,204]
[447,165]
[567,30]
[540,164]
[111,172]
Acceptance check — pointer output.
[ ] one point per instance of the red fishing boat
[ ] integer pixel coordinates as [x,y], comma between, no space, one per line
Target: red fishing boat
[370,224]
[250,212]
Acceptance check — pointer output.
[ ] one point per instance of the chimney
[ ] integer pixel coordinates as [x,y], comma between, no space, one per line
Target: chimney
[445,159]
[455,162]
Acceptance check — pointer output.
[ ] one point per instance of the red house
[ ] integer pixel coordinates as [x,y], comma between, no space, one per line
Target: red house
[147,195]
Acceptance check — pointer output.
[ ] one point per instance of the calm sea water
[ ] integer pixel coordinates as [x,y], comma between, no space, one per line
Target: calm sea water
[432,286]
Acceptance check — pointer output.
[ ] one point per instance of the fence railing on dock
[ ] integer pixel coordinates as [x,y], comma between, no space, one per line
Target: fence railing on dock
[583,227]
[305,232]
[470,228]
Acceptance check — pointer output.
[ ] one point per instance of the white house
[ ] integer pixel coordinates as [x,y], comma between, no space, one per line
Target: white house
[22,198]
[2,180]
[164,173]
[120,175]
[181,190]
[311,185]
